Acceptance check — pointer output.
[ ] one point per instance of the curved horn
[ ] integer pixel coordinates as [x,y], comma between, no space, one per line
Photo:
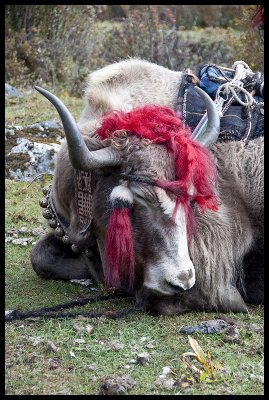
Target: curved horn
[80,156]
[211,134]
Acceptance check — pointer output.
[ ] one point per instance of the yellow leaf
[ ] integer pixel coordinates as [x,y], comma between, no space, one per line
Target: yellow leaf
[198,350]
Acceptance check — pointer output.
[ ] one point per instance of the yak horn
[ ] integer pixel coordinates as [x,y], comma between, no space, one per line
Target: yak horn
[80,156]
[211,134]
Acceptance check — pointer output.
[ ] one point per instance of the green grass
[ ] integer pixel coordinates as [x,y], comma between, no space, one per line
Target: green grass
[33,368]
[30,370]
[33,108]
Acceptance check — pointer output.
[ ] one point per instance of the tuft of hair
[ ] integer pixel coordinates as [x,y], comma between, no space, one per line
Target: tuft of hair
[119,249]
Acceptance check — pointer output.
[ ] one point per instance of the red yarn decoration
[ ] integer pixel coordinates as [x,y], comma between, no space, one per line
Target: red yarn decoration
[119,249]
[194,165]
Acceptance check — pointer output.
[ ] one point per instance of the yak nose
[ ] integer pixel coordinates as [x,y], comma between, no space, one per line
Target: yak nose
[184,281]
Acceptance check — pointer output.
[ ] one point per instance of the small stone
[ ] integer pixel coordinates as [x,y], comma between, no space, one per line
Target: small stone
[7,312]
[92,367]
[166,370]
[89,328]
[142,358]
[232,335]
[37,231]
[72,354]
[79,341]
[115,345]
[117,384]
[83,282]
[22,241]
[259,378]
[54,363]
[165,382]
[77,327]
[143,339]
[254,328]
[24,230]
[52,347]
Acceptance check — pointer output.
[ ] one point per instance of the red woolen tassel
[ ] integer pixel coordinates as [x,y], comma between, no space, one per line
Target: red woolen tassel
[119,249]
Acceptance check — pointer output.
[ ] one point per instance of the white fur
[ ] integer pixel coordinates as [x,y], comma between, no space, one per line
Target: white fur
[169,269]
[123,193]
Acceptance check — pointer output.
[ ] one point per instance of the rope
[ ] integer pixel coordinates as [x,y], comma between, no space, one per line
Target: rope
[49,312]
[37,176]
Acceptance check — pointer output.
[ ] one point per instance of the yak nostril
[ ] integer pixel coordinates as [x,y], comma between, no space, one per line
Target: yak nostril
[185,276]
[175,287]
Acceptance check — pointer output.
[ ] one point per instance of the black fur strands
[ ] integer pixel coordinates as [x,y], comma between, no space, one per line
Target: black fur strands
[120,203]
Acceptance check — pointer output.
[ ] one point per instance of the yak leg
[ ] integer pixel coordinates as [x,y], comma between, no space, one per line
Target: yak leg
[53,259]
[231,300]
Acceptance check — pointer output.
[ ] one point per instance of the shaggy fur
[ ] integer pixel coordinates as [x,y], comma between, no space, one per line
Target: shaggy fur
[223,239]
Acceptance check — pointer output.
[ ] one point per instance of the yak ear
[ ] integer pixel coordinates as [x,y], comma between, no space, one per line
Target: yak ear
[80,156]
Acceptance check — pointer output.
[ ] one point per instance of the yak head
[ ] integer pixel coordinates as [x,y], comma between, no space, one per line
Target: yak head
[150,173]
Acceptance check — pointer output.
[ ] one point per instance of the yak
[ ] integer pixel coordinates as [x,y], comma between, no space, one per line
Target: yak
[176,221]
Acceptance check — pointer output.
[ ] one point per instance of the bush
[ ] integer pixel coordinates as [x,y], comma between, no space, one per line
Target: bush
[59,45]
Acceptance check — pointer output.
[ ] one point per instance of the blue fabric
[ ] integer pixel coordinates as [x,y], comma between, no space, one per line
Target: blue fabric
[208,73]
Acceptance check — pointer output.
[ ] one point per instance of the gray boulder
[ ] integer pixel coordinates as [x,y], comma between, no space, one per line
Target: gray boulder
[10,91]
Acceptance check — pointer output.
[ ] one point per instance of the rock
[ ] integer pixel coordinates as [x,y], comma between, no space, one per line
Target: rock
[165,382]
[52,347]
[38,231]
[54,363]
[142,358]
[24,230]
[211,326]
[117,384]
[51,124]
[254,328]
[166,370]
[77,327]
[10,91]
[184,382]
[22,241]
[45,125]
[232,335]
[83,282]
[89,328]
[79,341]
[9,133]
[40,156]
[115,345]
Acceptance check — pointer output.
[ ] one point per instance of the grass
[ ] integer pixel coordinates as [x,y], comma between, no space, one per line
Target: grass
[32,107]
[33,368]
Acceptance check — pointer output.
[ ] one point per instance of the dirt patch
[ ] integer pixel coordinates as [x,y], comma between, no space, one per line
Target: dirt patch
[16,161]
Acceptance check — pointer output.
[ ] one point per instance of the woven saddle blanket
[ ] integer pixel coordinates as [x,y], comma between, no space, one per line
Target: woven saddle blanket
[238,122]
